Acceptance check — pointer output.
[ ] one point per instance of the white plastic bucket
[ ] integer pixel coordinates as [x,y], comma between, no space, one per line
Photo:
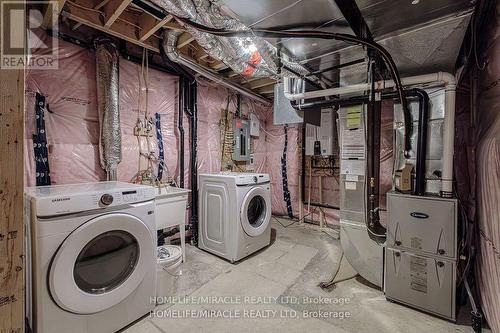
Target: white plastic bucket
[169,260]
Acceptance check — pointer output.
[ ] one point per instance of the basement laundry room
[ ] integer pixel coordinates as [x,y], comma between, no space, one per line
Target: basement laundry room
[249,166]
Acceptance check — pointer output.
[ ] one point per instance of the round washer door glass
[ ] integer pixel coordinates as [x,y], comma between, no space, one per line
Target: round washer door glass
[106,261]
[256,211]
[108,257]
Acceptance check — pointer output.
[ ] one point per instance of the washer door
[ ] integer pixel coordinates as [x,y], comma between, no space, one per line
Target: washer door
[101,263]
[255,211]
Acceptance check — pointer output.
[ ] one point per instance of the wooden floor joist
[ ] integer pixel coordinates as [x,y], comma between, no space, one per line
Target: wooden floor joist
[51,15]
[96,7]
[113,10]
[119,28]
[150,25]
[184,40]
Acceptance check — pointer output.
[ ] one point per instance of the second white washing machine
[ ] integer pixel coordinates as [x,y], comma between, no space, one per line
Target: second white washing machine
[235,214]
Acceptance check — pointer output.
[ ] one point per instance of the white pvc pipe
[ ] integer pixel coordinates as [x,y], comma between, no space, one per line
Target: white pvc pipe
[440,78]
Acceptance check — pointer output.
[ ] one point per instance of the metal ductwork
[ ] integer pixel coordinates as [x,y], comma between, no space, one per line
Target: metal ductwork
[170,47]
[110,143]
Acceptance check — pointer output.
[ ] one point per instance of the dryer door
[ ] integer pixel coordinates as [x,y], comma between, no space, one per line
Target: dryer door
[101,263]
[255,211]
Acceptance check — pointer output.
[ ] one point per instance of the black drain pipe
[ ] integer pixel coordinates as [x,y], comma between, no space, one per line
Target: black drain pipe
[193,101]
[180,126]
[423,119]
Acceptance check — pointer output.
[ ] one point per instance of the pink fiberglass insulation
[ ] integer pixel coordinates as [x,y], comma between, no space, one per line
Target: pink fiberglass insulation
[73,130]
[488,175]
[477,161]
[72,123]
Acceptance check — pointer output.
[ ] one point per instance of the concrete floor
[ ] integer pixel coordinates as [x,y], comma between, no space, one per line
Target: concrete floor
[280,277]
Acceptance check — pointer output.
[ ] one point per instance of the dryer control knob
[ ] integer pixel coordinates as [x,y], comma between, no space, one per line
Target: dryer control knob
[255,179]
[107,199]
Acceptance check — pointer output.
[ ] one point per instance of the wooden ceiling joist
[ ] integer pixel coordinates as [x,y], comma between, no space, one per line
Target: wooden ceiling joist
[122,19]
[119,28]
[150,25]
[113,10]
[184,39]
[174,26]
[96,7]
[51,15]
[259,83]
[265,90]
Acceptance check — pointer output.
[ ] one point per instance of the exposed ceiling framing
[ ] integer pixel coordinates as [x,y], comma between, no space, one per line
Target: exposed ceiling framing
[126,21]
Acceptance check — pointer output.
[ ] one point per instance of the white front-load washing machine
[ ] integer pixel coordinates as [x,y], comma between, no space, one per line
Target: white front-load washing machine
[93,256]
[235,214]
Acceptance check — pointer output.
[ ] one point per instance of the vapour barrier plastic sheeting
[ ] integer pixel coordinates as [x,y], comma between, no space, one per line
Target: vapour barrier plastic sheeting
[488,176]
[72,125]
[73,129]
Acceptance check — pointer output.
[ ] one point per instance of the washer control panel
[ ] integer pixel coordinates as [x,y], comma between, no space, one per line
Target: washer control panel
[109,199]
[67,199]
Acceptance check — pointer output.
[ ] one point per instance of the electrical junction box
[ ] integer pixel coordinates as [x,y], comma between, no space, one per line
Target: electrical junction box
[241,146]
[254,125]
[421,253]
[320,139]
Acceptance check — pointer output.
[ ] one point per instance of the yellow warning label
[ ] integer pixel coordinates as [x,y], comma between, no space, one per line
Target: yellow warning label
[354,116]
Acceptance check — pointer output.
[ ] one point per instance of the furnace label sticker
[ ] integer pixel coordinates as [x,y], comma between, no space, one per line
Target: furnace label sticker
[353,144]
[352,167]
[354,116]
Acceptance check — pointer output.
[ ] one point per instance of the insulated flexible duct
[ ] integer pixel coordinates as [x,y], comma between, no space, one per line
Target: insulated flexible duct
[108,107]
[249,56]
[170,39]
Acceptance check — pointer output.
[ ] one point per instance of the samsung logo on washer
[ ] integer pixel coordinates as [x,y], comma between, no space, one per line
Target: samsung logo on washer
[61,199]
[419,215]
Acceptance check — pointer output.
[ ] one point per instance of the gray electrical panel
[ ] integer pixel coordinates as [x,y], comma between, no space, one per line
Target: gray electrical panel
[241,148]
[421,253]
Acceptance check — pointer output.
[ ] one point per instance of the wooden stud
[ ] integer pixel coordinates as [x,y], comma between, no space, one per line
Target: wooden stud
[51,15]
[150,25]
[12,266]
[119,29]
[113,10]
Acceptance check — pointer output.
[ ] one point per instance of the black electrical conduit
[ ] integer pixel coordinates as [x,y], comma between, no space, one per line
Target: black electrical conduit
[269,33]
[421,138]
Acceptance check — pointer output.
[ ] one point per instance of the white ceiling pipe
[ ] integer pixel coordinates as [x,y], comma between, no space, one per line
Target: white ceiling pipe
[440,78]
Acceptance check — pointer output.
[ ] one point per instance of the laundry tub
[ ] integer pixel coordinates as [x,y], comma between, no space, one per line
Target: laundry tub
[168,269]
[170,211]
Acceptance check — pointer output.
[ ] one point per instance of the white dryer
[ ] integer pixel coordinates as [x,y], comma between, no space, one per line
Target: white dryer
[235,214]
[93,256]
